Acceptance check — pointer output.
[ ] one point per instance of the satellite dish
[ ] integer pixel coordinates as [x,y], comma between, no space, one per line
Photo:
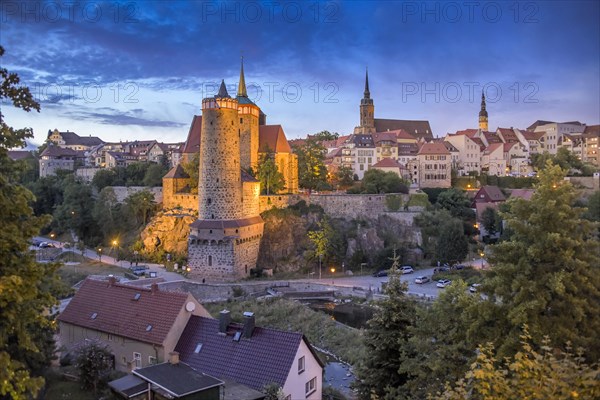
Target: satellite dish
[190,306]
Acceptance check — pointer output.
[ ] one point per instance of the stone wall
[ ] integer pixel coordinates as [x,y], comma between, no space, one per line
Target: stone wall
[587,182]
[180,200]
[122,192]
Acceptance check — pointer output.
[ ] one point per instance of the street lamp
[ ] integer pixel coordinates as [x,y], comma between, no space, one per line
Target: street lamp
[99,254]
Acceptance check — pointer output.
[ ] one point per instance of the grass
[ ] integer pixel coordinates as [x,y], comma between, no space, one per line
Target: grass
[71,274]
[320,329]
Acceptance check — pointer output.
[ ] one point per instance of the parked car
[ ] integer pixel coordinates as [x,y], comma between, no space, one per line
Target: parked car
[381,273]
[45,245]
[442,283]
[459,266]
[474,287]
[422,279]
[406,269]
[138,270]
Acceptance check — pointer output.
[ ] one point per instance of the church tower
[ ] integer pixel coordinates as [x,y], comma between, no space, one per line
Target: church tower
[367,111]
[224,240]
[483,115]
[249,115]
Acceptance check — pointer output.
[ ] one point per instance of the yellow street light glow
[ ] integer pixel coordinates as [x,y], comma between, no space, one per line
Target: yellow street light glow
[114,242]
[332,270]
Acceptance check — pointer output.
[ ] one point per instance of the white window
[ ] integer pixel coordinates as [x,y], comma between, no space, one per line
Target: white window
[151,360]
[301,365]
[310,386]
[137,360]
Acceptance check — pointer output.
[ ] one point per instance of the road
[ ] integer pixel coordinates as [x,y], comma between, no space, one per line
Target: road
[369,282]
[93,255]
[365,281]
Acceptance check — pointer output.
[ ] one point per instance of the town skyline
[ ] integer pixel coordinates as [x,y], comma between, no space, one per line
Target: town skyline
[130,73]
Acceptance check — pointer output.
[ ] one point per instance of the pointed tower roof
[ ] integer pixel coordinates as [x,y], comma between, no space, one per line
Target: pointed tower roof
[367,92]
[483,112]
[223,91]
[242,85]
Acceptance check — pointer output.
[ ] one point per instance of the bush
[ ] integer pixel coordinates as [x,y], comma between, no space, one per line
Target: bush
[94,362]
[393,202]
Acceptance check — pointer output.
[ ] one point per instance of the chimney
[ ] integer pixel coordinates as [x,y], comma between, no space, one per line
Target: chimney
[111,280]
[248,324]
[224,320]
[154,287]
[174,358]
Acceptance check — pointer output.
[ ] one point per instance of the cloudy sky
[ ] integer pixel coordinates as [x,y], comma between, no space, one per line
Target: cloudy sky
[139,69]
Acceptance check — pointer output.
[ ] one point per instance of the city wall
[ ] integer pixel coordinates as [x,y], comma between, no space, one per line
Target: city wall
[122,192]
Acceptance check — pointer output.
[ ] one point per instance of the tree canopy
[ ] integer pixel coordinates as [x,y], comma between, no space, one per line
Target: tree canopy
[27,289]
[271,179]
[546,275]
[312,173]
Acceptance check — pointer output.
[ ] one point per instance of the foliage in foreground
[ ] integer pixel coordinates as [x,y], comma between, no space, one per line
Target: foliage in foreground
[27,289]
[94,362]
[321,330]
[530,374]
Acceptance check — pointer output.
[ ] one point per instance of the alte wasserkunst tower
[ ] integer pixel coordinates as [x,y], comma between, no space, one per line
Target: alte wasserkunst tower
[224,242]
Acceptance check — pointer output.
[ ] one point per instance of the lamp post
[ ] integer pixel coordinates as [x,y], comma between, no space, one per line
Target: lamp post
[115,243]
[99,254]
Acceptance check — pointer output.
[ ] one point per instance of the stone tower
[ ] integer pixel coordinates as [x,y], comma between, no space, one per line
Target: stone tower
[249,115]
[367,111]
[483,115]
[224,241]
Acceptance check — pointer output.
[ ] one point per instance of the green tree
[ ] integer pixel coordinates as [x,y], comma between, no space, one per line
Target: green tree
[344,176]
[104,178]
[546,275]
[141,205]
[593,207]
[312,173]
[75,212]
[135,173]
[452,245]
[192,169]
[107,213]
[438,349]
[530,374]
[326,135]
[271,179]
[27,289]
[456,202]
[491,221]
[376,181]
[154,174]
[320,238]
[385,340]
[94,362]
[48,193]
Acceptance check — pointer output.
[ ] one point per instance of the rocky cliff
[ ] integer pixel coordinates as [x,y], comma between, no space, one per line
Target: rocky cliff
[167,232]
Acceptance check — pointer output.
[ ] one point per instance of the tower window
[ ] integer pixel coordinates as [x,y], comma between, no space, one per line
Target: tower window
[209,201]
[210,261]
[241,120]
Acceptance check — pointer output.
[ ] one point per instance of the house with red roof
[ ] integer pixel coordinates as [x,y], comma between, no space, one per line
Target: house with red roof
[434,166]
[140,326]
[469,153]
[390,165]
[251,355]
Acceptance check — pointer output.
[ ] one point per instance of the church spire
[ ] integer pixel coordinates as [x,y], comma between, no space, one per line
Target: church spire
[483,114]
[222,90]
[367,94]
[242,85]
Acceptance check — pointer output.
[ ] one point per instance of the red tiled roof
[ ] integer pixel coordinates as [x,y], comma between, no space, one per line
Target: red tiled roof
[524,194]
[56,151]
[434,148]
[492,147]
[272,137]
[469,132]
[533,135]
[384,136]
[267,357]
[118,313]
[592,131]
[18,154]
[491,137]
[508,146]
[386,163]
[419,129]
[192,143]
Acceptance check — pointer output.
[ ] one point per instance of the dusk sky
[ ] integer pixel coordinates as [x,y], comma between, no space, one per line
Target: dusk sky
[139,69]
